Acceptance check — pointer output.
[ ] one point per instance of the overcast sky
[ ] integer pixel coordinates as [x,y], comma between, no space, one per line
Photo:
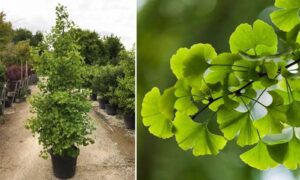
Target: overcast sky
[103,16]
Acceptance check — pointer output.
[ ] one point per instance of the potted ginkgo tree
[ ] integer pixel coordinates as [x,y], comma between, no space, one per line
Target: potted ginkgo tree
[61,120]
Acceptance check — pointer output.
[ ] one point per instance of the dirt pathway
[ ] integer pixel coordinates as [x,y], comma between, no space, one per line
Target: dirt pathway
[110,158]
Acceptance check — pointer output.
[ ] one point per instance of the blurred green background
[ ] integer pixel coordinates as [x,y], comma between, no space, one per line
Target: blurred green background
[163,27]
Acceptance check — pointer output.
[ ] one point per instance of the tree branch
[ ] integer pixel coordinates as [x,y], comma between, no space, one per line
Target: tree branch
[238,90]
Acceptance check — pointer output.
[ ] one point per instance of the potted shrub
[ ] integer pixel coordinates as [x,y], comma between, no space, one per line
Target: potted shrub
[97,86]
[125,92]
[61,107]
[21,96]
[88,81]
[112,105]
[105,81]
[114,72]
[102,102]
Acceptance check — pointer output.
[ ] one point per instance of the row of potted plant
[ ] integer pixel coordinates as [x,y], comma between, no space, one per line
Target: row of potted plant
[115,87]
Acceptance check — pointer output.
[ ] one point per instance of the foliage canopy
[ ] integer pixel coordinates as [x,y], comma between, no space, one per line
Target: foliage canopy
[251,94]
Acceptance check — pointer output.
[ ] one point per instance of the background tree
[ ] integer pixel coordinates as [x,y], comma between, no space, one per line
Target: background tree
[8,54]
[91,47]
[113,47]
[6,31]
[21,34]
[36,38]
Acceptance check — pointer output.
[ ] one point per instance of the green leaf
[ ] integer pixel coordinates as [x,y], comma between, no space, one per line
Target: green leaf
[196,136]
[283,137]
[156,112]
[248,134]
[245,95]
[272,69]
[245,74]
[220,66]
[277,144]
[231,122]
[228,102]
[298,38]
[293,35]
[293,114]
[177,61]
[196,62]
[278,152]
[287,17]
[259,40]
[293,156]
[184,103]
[267,82]
[216,105]
[166,103]
[295,84]
[273,121]
[258,157]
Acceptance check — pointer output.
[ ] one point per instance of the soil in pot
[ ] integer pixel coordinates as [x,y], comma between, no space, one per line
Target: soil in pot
[102,103]
[64,167]
[129,120]
[93,97]
[111,109]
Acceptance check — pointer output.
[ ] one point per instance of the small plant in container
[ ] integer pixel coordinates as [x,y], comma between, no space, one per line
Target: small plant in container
[61,107]
[112,105]
[126,99]
[115,72]
[125,93]
[98,85]
[88,81]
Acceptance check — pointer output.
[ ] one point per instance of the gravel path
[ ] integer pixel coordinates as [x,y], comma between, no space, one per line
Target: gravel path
[110,158]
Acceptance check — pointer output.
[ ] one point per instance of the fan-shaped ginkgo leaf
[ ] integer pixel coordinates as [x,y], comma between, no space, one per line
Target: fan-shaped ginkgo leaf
[287,17]
[258,157]
[184,103]
[257,40]
[231,122]
[196,136]
[157,112]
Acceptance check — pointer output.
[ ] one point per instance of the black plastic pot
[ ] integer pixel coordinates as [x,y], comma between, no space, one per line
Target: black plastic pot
[63,167]
[111,109]
[1,109]
[28,91]
[33,79]
[129,120]
[8,102]
[93,97]
[102,103]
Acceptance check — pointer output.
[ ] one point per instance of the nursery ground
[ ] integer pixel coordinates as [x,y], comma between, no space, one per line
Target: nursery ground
[111,157]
